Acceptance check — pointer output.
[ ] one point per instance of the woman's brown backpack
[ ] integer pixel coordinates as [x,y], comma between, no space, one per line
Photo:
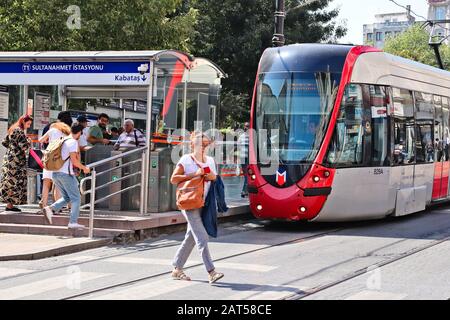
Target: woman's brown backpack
[190,194]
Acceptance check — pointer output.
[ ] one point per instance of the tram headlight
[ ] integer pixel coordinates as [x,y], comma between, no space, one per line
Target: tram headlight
[316,179]
[326,174]
[302,209]
[259,207]
[253,177]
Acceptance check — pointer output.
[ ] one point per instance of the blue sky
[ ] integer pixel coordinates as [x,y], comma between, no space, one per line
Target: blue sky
[359,12]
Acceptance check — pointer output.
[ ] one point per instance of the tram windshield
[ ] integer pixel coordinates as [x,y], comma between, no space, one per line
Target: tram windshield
[292,114]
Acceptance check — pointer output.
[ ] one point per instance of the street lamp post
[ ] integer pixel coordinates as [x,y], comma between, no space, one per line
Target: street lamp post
[278,39]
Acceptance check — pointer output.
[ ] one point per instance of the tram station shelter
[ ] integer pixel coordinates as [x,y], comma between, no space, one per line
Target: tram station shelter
[160,90]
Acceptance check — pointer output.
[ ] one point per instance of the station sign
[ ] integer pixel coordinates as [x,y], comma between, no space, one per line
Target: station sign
[75,73]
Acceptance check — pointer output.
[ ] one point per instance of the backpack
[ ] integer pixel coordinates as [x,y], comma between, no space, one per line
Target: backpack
[52,158]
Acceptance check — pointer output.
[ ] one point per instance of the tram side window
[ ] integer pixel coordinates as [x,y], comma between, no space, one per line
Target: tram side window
[361,137]
[424,127]
[404,131]
[349,146]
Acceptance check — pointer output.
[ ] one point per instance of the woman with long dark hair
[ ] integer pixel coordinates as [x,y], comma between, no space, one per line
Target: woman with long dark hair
[13,183]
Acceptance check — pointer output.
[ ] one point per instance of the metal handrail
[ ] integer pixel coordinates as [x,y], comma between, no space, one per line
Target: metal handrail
[119,167]
[83,181]
[119,156]
[94,188]
[110,196]
[112,182]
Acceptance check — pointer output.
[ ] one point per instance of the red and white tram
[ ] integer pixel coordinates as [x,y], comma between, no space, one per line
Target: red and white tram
[357,134]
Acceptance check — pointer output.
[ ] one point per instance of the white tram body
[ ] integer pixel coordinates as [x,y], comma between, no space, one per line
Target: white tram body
[376,192]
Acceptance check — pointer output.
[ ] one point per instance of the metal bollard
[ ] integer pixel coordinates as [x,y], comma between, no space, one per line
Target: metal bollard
[31,187]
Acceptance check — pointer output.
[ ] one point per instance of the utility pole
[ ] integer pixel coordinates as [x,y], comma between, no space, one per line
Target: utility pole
[278,39]
[436,44]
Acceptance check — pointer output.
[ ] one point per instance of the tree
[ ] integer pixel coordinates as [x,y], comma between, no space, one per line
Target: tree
[235,33]
[413,44]
[40,25]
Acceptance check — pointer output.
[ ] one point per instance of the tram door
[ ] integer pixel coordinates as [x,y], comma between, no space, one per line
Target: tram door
[446,166]
[438,190]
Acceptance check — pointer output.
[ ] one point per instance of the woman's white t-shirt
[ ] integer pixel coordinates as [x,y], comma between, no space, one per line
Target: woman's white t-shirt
[190,166]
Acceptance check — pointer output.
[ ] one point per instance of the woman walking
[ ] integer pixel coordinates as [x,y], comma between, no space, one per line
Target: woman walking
[13,184]
[57,131]
[190,167]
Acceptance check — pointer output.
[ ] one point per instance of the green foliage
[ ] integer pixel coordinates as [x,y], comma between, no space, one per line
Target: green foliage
[39,25]
[232,33]
[413,44]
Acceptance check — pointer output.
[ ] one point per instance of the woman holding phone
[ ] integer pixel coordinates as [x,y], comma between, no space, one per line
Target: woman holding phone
[193,166]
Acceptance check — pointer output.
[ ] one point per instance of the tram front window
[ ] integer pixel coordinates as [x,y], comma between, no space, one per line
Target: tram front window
[294,110]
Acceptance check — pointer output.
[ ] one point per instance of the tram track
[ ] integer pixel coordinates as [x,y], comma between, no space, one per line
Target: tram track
[166,273]
[303,294]
[171,244]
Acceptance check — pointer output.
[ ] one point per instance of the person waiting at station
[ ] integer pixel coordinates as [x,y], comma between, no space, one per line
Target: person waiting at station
[130,138]
[13,185]
[82,120]
[97,133]
[65,179]
[114,133]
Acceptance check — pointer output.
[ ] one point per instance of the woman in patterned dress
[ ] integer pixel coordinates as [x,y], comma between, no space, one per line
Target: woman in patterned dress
[13,183]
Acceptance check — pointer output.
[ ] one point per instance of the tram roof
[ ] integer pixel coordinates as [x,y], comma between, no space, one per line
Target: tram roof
[91,55]
[305,57]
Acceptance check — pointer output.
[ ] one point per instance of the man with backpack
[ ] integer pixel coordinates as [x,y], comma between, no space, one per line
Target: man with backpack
[61,157]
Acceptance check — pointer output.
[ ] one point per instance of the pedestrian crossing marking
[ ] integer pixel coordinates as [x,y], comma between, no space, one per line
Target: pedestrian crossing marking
[145,291]
[245,266]
[168,262]
[146,261]
[81,258]
[377,295]
[267,292]
[9,272]
[43,286]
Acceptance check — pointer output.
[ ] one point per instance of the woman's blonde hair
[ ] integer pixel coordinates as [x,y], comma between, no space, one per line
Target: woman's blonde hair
[196,135]
[61,126]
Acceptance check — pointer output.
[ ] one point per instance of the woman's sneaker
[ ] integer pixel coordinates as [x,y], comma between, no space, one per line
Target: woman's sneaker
[214,276]
[76,226]
[48,214]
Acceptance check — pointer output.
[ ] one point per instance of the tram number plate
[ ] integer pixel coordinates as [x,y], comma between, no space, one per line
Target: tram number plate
[378,172]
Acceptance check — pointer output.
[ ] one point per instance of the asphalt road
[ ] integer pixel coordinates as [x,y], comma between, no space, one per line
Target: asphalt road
[402,258]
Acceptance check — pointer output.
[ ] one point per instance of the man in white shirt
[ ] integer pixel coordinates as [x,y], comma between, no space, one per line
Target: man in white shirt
[66,181]
[130,138]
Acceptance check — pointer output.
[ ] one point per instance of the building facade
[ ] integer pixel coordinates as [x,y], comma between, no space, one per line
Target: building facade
[387,25]
[440,10]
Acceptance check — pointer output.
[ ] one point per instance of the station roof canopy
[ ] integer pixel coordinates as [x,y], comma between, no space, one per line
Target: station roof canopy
[155,55]
[23,64]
